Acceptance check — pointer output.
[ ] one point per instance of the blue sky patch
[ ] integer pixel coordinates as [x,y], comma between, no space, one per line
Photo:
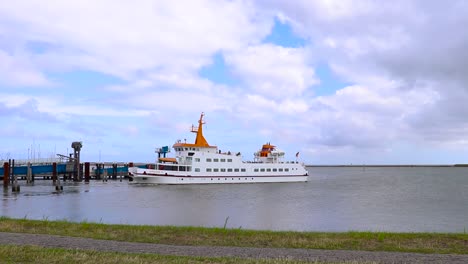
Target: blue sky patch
[283,35]
[218,72]
[329,81]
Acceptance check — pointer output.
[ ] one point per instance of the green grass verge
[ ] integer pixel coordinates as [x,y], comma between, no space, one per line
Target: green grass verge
[197,236]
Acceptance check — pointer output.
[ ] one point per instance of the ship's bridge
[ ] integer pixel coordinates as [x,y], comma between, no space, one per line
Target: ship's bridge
[187,147]
[269,154]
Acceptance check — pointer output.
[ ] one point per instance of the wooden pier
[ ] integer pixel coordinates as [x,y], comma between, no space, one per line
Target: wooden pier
[59,172]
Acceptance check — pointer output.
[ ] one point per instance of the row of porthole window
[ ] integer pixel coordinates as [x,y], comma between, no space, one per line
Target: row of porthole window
[243,170]
[224,179]
[269,169]
[187,149]
[217,160]
[224,170]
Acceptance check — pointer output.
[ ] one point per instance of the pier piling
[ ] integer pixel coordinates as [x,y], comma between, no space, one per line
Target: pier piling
[58,185]
[14,181]
[12,173]
[15,187]
[29,178]
[114,171]
[6,174]
[54,173]
[86,171]
[104,175]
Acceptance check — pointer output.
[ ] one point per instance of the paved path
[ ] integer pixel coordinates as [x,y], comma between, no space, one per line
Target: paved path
[241,252]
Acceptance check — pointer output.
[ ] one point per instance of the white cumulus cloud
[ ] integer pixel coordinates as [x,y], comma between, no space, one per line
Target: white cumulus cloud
[273,71]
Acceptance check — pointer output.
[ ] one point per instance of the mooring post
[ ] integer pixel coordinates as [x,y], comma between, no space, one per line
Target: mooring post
[86,171]
[121,175]
[29,173]
[6,174]
[104,174]
[58,185]
[15,186]
[114,171]
[9,172]
[54,173]
[13,169]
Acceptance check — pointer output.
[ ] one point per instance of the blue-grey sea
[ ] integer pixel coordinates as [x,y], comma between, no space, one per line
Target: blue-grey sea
[397,199]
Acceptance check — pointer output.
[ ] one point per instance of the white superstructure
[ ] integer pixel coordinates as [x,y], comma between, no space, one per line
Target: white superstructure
[200,163]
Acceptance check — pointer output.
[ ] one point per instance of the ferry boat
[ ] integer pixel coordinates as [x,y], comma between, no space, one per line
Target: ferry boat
[201,163]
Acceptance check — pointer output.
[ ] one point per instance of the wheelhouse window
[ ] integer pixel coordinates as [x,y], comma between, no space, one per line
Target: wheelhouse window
[185,168]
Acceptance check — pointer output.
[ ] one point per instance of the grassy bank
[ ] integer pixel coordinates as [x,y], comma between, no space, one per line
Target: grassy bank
[370,241]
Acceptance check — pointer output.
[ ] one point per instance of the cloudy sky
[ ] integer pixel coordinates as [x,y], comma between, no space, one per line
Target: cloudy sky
[342,82]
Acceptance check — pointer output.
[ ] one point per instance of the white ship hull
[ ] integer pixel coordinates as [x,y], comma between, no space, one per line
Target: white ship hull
[152,177]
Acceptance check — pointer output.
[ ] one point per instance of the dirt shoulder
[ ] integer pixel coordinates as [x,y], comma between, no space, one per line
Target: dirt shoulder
[241,252]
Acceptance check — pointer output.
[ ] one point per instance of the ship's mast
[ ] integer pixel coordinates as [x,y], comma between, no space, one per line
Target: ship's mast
[200,139]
